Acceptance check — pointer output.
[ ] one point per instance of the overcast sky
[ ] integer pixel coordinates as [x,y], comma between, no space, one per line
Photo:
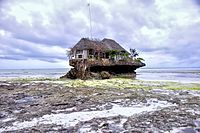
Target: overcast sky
[36,33]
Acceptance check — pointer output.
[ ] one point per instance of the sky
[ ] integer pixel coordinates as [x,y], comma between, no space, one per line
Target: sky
[37,33]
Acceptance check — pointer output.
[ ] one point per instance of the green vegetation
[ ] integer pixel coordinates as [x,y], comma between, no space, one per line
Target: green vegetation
[27,80]
[122,83]
[133,52]
[139,59]
[126,55]
[113,53]
[182,86]
[69,53]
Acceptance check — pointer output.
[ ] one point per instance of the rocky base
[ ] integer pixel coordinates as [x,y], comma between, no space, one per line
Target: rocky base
[101,69]
[75,74]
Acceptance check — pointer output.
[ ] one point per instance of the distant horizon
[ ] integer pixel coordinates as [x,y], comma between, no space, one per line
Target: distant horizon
[70,67]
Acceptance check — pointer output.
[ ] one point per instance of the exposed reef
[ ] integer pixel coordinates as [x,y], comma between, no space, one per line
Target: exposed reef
[112,105]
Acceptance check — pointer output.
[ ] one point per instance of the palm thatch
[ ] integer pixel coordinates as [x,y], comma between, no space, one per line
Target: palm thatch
[112,45]
[104,45]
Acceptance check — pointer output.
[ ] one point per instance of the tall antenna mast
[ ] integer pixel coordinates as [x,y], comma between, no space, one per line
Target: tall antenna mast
[90,17]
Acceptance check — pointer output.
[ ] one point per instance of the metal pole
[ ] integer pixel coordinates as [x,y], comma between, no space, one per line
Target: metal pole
[90,17]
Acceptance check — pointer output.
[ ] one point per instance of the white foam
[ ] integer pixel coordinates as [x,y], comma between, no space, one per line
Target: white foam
[195,93]
[8,119]
[86,129]
[73,118]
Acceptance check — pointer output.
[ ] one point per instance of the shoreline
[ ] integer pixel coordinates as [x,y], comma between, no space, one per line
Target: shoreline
[115,77]
[113,83]
[116,105]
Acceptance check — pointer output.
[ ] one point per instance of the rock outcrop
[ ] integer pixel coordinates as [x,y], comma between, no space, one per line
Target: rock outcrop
[101,69]
[101,59]
[105,75]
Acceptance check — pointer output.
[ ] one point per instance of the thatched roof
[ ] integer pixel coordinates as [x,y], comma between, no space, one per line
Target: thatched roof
[104,45]
[85,43]
[112,45]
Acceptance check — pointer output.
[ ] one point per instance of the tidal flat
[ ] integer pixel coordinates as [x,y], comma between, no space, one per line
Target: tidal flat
[112,105]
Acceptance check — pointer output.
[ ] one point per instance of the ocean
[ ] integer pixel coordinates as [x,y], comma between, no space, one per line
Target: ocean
[191,75]
[33,73]
[157,74]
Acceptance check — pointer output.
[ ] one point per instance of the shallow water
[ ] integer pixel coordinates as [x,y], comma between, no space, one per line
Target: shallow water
[32,73]
[166,74]
[186,75]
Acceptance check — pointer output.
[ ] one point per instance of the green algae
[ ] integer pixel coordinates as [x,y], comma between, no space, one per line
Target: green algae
[31,79]
[121,83]
[182,86]
[131,84]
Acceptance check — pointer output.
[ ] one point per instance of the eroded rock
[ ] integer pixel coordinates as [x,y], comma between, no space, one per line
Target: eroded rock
[105,75]
[98,69]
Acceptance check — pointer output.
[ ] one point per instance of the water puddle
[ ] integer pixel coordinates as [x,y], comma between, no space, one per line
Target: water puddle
[25,100]
[188,129]
[183,130]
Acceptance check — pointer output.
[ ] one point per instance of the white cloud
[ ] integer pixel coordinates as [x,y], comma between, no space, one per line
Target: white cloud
[2,33]
[159,59]
[155,35]
[32,63]
[162,31]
